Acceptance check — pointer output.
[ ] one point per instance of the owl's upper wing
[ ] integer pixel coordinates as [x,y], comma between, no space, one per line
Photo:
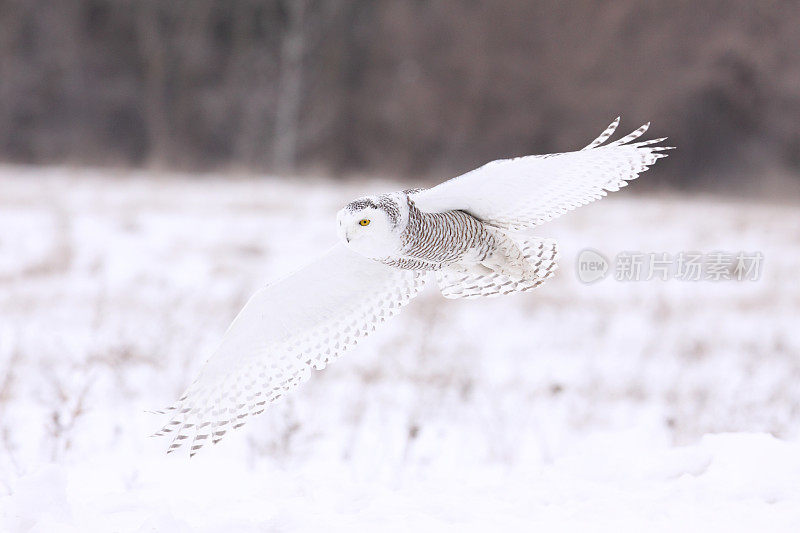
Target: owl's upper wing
[301,322]
[520,193]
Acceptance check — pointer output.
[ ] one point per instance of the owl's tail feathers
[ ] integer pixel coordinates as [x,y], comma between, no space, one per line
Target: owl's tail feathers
[540,256]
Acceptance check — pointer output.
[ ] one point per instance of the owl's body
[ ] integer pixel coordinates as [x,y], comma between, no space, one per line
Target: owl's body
[432,241]
[452,240]
[461,230]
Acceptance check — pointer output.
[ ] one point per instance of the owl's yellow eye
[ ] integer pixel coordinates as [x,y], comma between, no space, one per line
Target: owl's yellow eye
[364,222]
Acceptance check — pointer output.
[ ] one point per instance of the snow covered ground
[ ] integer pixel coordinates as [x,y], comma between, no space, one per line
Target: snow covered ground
[617,406]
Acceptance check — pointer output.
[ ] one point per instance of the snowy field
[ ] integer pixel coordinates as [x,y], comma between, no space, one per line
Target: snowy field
[617,406]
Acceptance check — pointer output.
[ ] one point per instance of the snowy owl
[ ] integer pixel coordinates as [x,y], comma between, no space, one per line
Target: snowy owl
[460,230]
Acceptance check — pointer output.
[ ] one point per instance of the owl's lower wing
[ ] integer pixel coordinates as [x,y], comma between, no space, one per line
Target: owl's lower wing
[520,193]
[302,322]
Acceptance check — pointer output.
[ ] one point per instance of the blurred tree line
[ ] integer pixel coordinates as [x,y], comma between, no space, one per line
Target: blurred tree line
[420,88]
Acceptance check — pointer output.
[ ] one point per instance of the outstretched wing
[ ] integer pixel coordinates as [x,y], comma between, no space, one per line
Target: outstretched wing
[302,322]
[520,193]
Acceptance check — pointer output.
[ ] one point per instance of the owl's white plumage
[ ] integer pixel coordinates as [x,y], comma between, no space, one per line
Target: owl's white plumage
[521,193]
[299,323]
[459,229]
[383,236]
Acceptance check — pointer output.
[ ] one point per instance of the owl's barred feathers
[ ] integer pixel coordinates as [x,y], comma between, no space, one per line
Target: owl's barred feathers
[456,229]
[542,254]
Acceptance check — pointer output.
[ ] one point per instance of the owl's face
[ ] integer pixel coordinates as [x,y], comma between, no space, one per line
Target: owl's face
[372,225]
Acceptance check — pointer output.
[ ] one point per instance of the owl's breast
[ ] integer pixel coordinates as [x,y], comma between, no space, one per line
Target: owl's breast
[432,241]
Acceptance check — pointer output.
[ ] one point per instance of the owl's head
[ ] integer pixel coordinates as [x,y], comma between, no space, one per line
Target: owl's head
[372,225]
